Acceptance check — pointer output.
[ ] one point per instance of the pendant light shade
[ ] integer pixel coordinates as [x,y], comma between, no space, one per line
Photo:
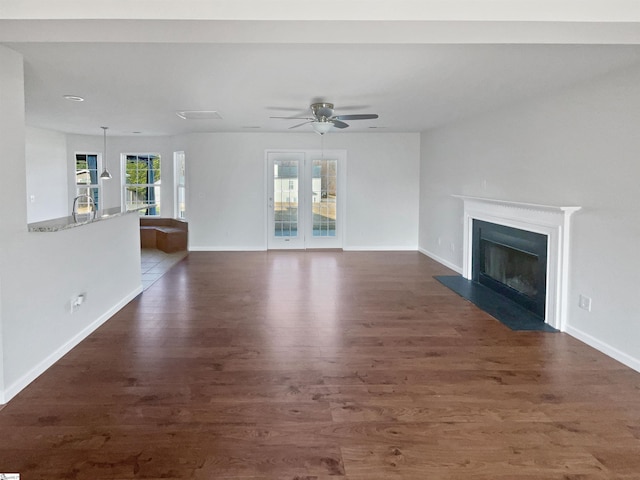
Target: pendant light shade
[105,175]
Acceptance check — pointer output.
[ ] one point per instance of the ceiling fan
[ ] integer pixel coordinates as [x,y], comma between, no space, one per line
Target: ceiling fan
[323,118]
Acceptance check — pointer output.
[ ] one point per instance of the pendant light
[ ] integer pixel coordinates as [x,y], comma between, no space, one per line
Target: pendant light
[105,175]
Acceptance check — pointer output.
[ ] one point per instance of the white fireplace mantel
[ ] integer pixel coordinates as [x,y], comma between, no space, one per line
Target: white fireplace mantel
[549,220]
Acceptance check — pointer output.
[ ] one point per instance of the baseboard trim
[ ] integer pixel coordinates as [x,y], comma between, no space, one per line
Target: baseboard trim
[441,260]
[56,355]
[605,348]
[403,248]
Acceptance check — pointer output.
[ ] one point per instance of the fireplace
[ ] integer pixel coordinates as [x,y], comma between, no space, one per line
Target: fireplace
[549,299]
[511,262]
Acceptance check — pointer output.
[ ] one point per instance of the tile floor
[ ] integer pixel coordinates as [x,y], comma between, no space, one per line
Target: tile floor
[156,263]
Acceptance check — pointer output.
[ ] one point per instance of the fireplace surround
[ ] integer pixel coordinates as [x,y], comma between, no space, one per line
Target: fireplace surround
[552,222]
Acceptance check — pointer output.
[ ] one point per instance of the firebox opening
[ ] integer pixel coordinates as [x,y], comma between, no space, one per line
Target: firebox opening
[510,267]
[512,262]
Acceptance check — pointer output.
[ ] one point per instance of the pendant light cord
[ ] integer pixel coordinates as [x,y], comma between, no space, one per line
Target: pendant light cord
[105,175]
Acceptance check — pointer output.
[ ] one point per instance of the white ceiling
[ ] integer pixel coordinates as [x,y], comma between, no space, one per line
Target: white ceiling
[470,10]
[139,87]
[136,74]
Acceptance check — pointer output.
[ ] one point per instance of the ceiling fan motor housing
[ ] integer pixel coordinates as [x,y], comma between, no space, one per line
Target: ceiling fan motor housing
[322,111]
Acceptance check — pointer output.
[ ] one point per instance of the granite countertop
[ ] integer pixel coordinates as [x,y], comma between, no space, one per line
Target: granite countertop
[65,223]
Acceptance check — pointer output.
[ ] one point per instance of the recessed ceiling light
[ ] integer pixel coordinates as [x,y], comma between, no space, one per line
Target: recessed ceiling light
[251,126]
[73,98]
[199,115]
[136,132]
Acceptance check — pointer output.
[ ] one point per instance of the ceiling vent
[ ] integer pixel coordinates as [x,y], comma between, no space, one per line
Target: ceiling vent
[199,115]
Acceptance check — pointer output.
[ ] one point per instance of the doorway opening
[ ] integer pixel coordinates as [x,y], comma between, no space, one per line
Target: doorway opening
[305,199]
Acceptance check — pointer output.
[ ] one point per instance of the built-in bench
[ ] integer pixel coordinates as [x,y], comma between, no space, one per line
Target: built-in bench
[166,234]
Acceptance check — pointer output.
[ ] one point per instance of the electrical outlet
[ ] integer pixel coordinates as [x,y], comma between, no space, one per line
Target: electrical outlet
[584,302]
[77,301]
[439,241]
[452,247]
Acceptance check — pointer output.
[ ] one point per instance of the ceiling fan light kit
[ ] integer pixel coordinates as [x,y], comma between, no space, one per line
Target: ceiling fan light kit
[321,127]
[323,119]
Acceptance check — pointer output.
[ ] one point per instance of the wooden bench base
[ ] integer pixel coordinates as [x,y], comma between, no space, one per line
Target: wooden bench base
[166,234]
[171,240]
[148,237]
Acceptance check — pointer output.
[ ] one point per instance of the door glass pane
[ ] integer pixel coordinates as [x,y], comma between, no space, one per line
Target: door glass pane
[324,182]
[285,192]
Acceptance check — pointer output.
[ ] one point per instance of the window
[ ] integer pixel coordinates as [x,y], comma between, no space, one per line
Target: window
[180,184]
[142,182]
[87,181]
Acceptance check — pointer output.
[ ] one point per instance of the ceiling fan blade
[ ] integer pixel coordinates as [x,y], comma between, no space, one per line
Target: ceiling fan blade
[338,123]
[294,118]
[352,108]
[289,109]
[300,124]
[356,116]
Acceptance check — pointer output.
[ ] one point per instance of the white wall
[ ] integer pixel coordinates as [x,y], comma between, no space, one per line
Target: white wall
[226,184]
[578,147]
[47,170]
[101,260]
[41,272]
[13,212]
[382,191]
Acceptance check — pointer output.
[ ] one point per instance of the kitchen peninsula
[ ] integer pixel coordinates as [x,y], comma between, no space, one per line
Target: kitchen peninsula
[78,220]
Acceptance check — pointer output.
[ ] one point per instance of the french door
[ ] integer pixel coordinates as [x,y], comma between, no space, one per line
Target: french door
[305,199]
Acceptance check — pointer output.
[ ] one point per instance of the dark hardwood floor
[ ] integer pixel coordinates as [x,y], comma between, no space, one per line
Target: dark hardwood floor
[321,365]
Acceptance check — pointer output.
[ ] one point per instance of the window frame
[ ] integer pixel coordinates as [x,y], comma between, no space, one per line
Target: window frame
[180,187]
[157,187]
[84,188]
